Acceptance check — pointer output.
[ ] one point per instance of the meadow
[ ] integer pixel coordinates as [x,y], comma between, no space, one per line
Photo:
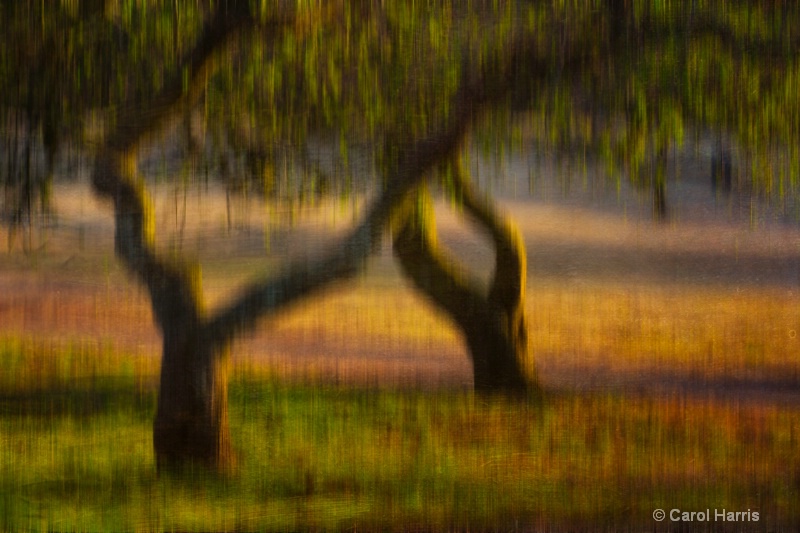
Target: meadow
[77,456]
[671,383]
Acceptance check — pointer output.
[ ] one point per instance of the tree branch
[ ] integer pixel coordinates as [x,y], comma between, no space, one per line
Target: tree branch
[508,284]
[172,287]
[301,278]
[413,162]
[415,245]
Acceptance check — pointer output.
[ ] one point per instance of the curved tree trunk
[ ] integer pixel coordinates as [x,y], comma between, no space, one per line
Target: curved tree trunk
[493,322]
[191,424]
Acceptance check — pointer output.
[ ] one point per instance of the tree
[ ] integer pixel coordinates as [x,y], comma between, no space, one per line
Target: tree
[619,78]
[191,422]
[493,323]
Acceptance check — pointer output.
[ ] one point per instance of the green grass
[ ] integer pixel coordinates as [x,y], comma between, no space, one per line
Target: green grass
[76,455]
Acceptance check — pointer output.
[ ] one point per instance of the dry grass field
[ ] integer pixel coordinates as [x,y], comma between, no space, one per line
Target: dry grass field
[706,303]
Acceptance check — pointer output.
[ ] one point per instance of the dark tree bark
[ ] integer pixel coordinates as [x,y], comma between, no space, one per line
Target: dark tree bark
[493,322]
[721,171]
[192,418]
[660,211]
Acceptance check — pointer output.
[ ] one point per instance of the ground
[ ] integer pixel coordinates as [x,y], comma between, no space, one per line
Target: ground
[703,304]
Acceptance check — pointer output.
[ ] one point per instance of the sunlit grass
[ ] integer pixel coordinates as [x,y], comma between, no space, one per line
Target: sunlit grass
[30,365]
[688,327]
[76,415]
[707,333]
[78,455]
[704,331]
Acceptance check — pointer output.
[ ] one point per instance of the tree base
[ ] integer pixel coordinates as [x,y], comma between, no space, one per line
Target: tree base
[185,445]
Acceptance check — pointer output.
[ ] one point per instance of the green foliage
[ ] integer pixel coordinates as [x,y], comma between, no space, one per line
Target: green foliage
[623,83]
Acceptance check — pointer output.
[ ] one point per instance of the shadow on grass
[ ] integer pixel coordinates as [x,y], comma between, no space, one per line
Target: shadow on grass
[318,457]
[81,398]
[781,387]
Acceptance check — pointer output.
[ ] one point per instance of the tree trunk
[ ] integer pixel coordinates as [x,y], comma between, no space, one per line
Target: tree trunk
[659,186]
[721,171]
[660,212]
[499,351]
[493,323]
[191,426]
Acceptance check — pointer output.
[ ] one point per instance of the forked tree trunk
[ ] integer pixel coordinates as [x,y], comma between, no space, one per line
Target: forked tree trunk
[492,322]
[191,426]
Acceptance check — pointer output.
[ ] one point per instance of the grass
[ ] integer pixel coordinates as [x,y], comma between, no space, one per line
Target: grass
[704,331]
[76,414]
[76,455]
[688,326]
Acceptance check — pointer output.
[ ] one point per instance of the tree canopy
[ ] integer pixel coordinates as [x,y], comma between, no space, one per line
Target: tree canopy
[619,79]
